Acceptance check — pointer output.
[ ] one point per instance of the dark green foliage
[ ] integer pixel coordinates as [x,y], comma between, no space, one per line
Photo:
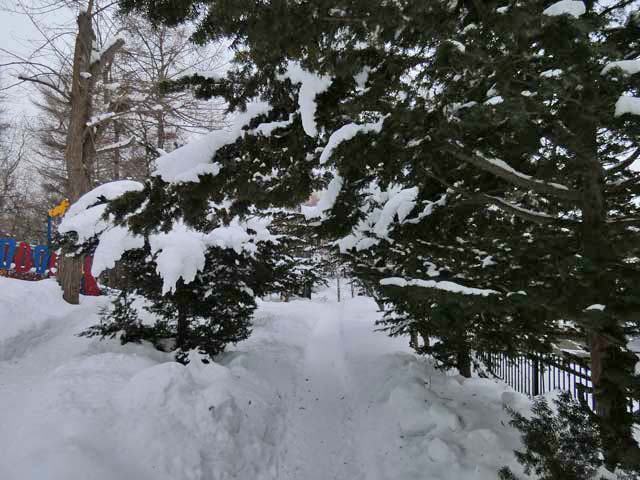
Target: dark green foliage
[464,89]
[562,442]
[121,319]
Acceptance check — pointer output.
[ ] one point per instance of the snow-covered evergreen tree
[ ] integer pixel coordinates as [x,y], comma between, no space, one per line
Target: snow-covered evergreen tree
[200,279]
[468,152]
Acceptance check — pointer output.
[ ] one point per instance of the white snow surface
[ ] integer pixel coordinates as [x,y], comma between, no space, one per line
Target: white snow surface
[180,253]
[311,85]
[327,199]
[627,104]
[443,285]
[187,163]
[110,191]
[314,394]
[85,218]
[345,133]
[575,8]
[628,67]
[113,243]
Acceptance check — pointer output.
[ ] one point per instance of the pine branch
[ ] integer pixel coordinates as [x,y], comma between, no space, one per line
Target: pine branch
[632,184]
[625,163]
[523,213]
[628,221]
[517,178]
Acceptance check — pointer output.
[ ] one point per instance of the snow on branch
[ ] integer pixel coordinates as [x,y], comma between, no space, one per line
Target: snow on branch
[627,104]
[107,191]
[525,214]
[181,252]
[347,132]
[501,169]
[327,200]
[444,285]
[311,85]
[381,209]
[187,163]
[574,8]
[116,145]
[628,67]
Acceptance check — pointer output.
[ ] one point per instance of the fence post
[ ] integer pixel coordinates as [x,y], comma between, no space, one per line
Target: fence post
[535,377]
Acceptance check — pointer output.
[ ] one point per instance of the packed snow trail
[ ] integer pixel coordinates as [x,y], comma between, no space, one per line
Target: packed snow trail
[320,441]
[314,394]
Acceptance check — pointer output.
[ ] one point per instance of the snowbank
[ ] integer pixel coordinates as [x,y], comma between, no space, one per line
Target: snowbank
[28,305]
[315,393]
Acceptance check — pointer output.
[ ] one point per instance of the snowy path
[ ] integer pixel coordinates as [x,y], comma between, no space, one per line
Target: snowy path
[320,441]
[314,394]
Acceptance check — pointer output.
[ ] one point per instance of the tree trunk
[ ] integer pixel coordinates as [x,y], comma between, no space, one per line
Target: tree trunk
[80,152]
[463,361]
[70,284]
[612,368]
[79,181]
[182,330]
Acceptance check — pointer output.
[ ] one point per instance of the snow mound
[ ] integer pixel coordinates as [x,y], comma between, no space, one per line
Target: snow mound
[315,393]
[27,306]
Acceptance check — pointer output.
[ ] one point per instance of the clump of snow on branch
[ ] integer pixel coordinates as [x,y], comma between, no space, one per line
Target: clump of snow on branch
[345,133]
[505,166]
[555,73]
[87,224]
[566,7]
[108,191]
[187,163]
[180,253]
[113,243]
[382,208]
[400,205]
[627,104]
[628,67]
[86,218]
[311,85]
[445,285]
[327,199]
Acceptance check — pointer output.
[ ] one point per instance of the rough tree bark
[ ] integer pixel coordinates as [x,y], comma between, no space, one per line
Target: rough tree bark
[611,365]
[80,150]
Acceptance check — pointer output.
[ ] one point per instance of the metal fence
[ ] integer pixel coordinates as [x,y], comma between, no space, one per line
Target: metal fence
[536,375]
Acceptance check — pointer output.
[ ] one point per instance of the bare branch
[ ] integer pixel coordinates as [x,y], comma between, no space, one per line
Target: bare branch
[45,83]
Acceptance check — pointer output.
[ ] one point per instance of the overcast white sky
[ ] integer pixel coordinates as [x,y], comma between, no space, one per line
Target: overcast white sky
[19,35]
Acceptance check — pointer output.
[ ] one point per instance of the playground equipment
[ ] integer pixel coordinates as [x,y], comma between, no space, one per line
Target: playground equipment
[35,262]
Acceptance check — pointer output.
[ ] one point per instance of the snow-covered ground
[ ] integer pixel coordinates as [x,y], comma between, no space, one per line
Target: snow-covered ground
[314,394]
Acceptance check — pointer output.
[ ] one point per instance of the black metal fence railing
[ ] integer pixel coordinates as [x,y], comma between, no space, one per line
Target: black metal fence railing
[535,375]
